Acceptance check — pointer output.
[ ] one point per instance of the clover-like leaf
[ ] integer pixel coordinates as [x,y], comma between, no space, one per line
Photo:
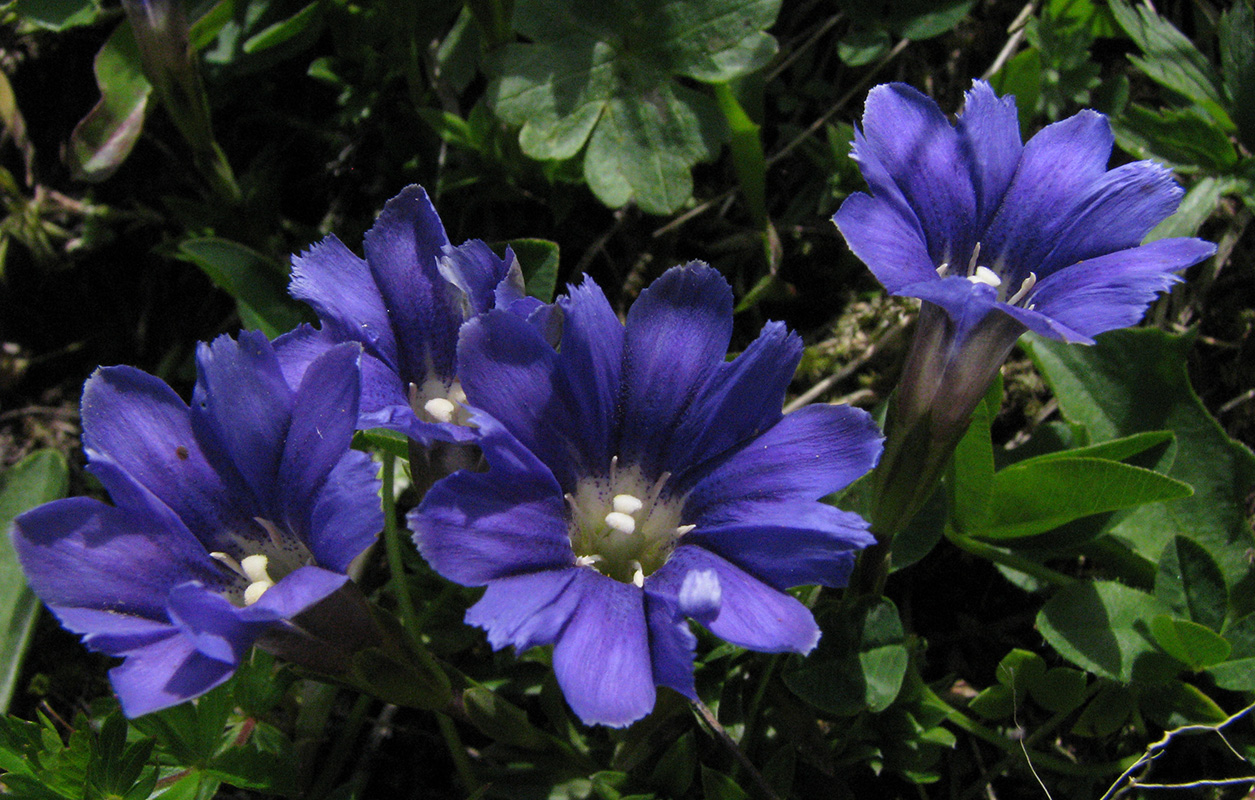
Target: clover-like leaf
[601,78]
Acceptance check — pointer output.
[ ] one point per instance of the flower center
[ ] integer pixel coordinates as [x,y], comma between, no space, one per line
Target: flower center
[259,563]
[437,401]
[978,273]
[622,526]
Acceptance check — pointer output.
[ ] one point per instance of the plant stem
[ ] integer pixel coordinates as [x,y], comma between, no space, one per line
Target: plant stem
[1008,559]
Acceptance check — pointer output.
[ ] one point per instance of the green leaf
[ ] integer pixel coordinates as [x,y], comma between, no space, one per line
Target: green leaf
[1020,671]
[383,441]
[502,721]
[972,470]
[102,140]
[1195,209]
[1191,583]
[1189,642]
[57,15]
[717,786]
[1237,61]
[1179,703]
[258,284]
[284,30]
[1040,494]
[39,478]
[602,76]
[1104,627]
[1108,389]
[1060,689]
[1106,713]
[1171,59]
[935,19]
[859,664]
[1183,138]
[538,258]
[995,702]
[860,47]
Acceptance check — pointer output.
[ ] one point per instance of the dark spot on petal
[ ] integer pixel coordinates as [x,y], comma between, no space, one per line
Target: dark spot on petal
[181,452]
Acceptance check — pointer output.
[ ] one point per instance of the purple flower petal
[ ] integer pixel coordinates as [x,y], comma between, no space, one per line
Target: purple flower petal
[1112,291]
[785,546]
[241,409]
[164,674]
[590,369]
[342,524]
[989,135]
[671,645]
[476,527]
[527,610]
[340,288]
[214,626]
[1056,170]
[905,131]
[295,593]
[324,417]
[110,632]
[745,395]
[677,333]
[810,453]
[891,244]
[403,249]
[602,660]
[474,269]
[80,552]
[143,427]
[751,614]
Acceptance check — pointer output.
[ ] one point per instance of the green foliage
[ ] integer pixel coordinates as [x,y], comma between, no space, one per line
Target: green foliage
[39,478]
[104,138]
[602,79]
[258,285]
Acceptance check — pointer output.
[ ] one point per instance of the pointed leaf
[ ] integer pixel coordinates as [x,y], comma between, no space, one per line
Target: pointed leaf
[103,139]
[1189,581]
[1104,627]
[1189,642]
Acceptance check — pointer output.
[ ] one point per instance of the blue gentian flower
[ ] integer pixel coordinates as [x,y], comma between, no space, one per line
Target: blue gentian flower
[636,478]
[996,238]
[967,218]
[404,304]
[229,518]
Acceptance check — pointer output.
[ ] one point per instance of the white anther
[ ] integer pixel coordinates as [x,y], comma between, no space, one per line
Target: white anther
[254,568]
[943,269]
[986,276]
[255,590]
[683,529]
[441,409]
[1025,288]
[587,561]
[623,523]
[626,504]
[638,575]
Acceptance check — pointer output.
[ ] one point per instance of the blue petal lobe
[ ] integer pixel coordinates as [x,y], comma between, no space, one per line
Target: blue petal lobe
[295,593]
[475,270]
[164,674]
[989,135]
[677,333]
[526,610]
[340,288]
[241,408]
[213,625]
[905,131]
[602,660]
[671,644]
[136,421]
[787,545]
[890,243]
[402,250]
[475,527]
[590,372]
[812,452]
[751,614]
[347,515]
[324,416]
[1112,291]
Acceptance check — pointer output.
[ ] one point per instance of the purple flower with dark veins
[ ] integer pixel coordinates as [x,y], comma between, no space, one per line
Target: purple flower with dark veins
[229,518]
[404,303]
[637,479]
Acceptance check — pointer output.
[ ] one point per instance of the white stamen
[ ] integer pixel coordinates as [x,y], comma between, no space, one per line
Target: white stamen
[971,265]
[638,576]
[943,269]
[440,408]
[255,590]
[623,523]
[254,568]
[271,531]
[587,561]
[683,529]
[413,393]
[230,562]
[1025,288]
[986,276]
[627,504]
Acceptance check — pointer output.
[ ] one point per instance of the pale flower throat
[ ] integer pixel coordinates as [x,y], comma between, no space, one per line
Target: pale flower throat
[437,401]
[260,563]
[622,526]
[977,273]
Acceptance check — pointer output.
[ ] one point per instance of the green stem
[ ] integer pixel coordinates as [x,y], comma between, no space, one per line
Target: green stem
[457,750]
[747,152]
[1008,559]
[335,760]
[1052,763]
[392,542]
